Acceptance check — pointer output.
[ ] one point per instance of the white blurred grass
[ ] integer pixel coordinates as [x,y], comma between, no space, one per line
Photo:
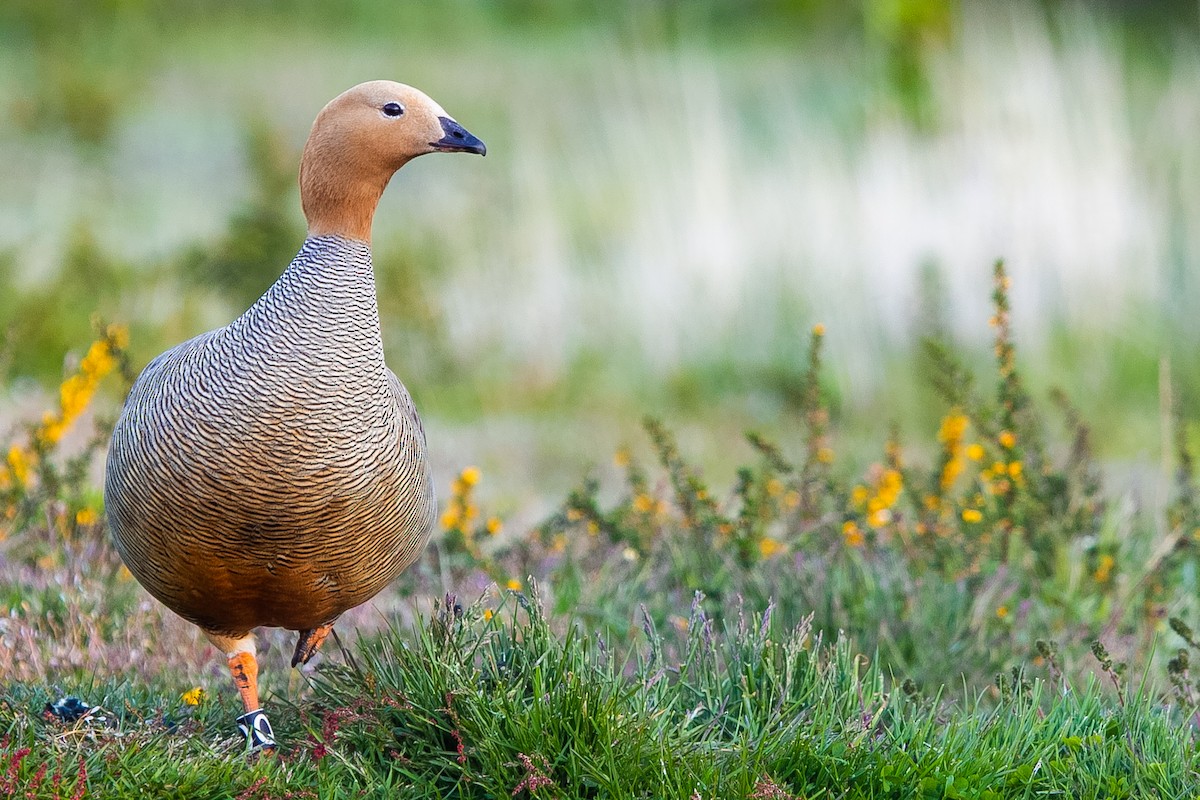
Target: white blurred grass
[689,206]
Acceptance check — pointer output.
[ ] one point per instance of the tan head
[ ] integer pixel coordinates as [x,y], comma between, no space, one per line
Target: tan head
[359,141]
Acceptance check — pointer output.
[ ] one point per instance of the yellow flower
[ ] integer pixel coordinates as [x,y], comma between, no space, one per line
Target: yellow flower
[643,503]
[513,585]
[1007,440]
[852,534]
[931,502]
[592,527]
[450,519]
[858,495]
[574,515]
[1002,612]
[774,487]
[558,543]
[818,329]
[470,476]
[791,499]
[193,697]
[18,464]
[1104,568]
[879,517]
[972,515]
[488,613]
[1014,469]
[86,516]
[825,455]
[621,458]
[950,472]
[493,525]
[975,451]
[954,425]
[769,547]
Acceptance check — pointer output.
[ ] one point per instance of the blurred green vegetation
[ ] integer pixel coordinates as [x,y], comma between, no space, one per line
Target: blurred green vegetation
[79,73]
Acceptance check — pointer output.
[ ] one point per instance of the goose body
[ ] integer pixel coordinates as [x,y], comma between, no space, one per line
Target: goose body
[274,472]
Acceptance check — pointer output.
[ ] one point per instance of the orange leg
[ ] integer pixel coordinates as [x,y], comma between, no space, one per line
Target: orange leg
[310,640]
[253,724]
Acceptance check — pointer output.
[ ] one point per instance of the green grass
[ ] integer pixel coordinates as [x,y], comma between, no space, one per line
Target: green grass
[511,706]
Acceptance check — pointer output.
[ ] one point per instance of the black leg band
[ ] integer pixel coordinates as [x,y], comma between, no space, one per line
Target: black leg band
[257,730]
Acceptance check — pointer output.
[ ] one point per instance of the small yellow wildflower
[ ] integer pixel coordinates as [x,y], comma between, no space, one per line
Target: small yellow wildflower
[592,527]
[513,585]
[470,476]
[18,464]
[825,455]
[621,458]
[1014,470]
[450,519]
[954,425]
[558,543]
[818,329]
[891,483]
[643,503]
[769,547]
[950,472]
[574,515]
[858,495]
[193,697]
[86,516]
[493,525]
[774,487]
[791,499]
[488,613]
[972,515]
[975,451]
[852,534]
[1104,568]
[1002,612]
[1007,440]
[879,517]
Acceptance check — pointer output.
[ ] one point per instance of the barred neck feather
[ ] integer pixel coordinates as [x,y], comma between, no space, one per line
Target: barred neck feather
[323,308]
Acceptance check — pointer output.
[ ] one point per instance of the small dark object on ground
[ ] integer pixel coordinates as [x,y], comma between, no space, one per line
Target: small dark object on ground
[71,709]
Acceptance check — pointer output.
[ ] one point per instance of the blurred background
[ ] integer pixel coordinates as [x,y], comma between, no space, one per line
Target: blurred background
[675,193]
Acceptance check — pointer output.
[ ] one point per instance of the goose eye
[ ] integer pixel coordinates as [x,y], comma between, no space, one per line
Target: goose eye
[393,109]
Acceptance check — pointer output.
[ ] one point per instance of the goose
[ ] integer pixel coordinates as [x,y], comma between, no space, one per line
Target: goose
[274,472]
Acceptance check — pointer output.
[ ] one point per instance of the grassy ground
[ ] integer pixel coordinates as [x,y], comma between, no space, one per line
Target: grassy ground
[480,704]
